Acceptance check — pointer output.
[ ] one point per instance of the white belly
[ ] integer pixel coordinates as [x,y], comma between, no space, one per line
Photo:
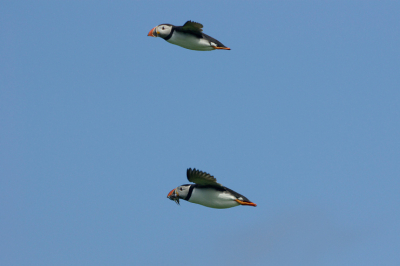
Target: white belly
[211,198]
[189,41]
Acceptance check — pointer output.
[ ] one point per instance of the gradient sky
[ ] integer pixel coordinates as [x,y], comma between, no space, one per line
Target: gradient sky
[99,122]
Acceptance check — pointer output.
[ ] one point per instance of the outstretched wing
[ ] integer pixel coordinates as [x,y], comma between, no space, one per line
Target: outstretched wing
[202,178]
[193,27]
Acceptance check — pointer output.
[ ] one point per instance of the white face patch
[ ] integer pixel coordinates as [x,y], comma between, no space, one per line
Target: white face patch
[163,30]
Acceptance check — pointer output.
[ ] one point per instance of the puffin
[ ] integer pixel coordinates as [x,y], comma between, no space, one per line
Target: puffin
[207,192]
[189,36]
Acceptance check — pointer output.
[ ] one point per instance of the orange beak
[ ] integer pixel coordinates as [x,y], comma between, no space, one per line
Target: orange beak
[151,33]
[170,193]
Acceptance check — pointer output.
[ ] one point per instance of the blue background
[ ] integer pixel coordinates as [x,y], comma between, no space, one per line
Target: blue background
[99,122]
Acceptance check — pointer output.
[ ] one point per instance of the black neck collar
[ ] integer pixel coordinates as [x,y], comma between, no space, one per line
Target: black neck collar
[190,193]
[170,34]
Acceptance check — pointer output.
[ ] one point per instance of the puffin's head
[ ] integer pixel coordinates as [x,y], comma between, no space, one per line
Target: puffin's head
[162,30]
[179,193]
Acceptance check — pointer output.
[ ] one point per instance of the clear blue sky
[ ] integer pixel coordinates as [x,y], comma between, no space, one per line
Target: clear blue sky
[99,122]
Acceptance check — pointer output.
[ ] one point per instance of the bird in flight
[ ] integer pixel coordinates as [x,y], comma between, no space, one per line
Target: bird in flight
[189,36]
[207,192]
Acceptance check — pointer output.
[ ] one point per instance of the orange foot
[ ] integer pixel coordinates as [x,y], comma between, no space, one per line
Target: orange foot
[222,48]
[245,203]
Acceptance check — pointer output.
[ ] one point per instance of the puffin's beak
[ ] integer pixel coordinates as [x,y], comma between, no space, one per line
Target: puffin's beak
[152,32]
[171,193]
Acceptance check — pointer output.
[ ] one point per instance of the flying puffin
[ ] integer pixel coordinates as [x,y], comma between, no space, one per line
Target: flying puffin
[207,192]
[189,36]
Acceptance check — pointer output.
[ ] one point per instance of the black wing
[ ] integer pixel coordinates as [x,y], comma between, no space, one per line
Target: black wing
[202,178]
[193,28]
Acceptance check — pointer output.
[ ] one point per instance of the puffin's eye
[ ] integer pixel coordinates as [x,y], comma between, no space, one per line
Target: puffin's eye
[180,189]
[163,28]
